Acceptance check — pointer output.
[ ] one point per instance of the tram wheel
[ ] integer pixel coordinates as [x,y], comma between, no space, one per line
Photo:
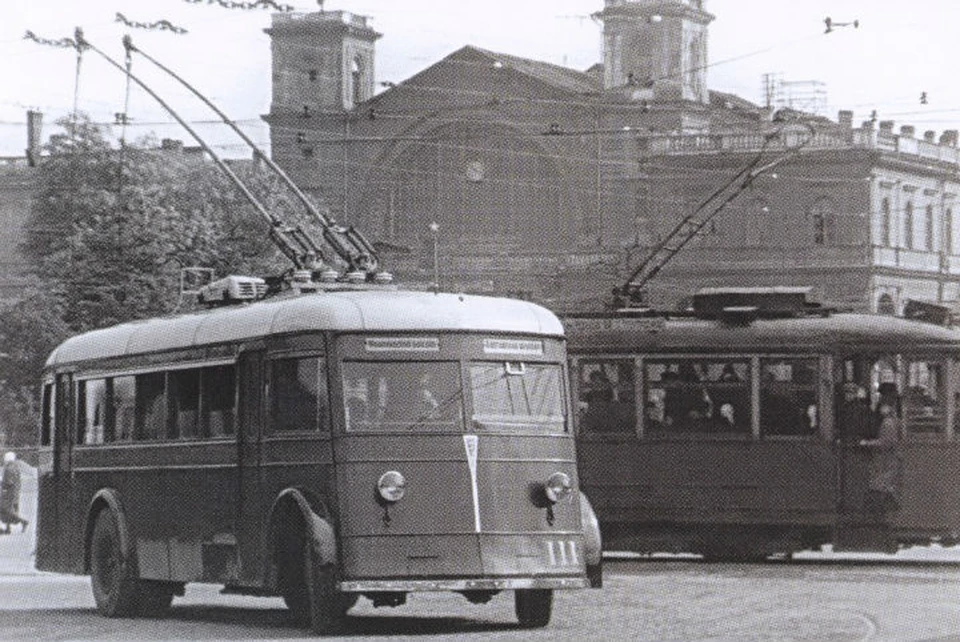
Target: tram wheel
[534,607]
[113,576]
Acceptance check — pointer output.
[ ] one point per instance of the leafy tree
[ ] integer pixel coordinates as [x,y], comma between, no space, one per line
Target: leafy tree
[107,235]
[114,227]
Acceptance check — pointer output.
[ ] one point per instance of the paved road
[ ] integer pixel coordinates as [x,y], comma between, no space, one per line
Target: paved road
[822,597]
[643,600]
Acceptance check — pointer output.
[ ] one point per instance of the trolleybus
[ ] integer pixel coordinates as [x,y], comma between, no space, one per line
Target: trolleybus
[318,447]
[749,427]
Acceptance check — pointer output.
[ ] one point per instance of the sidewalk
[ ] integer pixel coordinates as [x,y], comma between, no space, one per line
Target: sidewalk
[17,548]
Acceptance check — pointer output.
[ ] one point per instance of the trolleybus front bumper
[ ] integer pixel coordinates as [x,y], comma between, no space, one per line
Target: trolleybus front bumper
[485,584]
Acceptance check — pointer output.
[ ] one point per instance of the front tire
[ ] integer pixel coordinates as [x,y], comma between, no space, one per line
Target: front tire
[327,606]
[113,574]
[534,607]
[154,598]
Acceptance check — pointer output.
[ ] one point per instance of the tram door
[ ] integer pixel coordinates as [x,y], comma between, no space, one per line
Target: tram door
[860,525]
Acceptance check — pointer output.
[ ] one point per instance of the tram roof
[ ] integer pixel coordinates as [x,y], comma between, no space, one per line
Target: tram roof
[834,333]
[343,311]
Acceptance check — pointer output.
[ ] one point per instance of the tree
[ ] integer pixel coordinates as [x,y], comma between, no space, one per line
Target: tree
[112,228]
[107,235]
[30,328]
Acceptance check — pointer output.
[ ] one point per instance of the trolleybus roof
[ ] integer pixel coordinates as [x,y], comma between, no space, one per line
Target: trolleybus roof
[371,310]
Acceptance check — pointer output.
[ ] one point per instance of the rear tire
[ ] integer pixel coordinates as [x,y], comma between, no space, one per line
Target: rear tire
[113,574]
[534,607]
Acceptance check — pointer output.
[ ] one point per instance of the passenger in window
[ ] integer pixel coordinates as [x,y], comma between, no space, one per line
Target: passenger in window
[654,416]
[884,461]
[727,418]
[600,388]
[729,375]
[428,401]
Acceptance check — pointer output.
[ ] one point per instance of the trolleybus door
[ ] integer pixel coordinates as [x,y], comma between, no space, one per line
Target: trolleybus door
[250,511]
[55,476]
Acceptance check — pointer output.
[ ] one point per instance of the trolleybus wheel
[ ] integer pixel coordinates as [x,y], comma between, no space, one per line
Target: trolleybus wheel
[327,606]
[154,598]
[533,607]
[112,573]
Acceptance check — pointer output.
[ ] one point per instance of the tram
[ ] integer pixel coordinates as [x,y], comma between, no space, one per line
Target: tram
[748,427]
[319,447]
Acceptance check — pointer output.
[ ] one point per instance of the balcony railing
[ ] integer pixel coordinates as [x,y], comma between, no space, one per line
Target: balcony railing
[851,139]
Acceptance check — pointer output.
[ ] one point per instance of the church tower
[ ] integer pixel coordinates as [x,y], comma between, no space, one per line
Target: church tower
[322,62]
[659,46]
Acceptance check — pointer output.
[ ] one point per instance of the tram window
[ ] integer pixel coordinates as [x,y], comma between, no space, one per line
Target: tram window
[404,394]
[788,397]
[124,404]
[218,384]
[707,395]
[91,411]
[183,403]
[924,399]
[507,394]
[47,422]
[150,415]
[607,396]
[298,394]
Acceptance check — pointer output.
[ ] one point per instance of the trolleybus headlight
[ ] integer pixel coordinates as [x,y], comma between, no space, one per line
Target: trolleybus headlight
[391,486]
[558,487]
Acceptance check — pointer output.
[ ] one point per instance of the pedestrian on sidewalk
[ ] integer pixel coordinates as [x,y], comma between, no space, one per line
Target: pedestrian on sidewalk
[10,493]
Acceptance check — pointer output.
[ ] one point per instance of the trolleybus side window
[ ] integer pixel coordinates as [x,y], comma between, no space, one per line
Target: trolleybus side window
[150,415]
[218,403]
[184,403]
[705,395]
[607,396]
[402,394]
[298,394]
[124,405]
[924,399]
[514,393]
[788,396]
[91,411]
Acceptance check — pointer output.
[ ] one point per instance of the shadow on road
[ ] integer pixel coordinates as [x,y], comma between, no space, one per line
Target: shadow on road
[227,623]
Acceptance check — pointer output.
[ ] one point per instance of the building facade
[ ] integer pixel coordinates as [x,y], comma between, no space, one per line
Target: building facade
[554,183]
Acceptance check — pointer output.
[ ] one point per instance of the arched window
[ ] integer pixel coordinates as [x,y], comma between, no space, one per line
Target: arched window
[885,305]
[928,229]
[885,239]
[908,225]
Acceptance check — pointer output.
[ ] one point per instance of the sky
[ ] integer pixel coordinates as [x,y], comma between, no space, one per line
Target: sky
[898,52]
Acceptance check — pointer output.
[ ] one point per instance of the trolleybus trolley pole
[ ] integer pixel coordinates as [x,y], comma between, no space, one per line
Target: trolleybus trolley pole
[347,242]
[303,258]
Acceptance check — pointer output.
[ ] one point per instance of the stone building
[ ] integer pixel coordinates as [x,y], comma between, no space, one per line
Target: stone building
[554,183]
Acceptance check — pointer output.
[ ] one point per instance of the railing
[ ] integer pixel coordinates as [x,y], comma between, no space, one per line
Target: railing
[753,141]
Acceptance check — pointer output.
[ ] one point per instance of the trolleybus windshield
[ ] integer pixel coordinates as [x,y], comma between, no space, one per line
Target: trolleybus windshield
[512,394]
[402,395]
